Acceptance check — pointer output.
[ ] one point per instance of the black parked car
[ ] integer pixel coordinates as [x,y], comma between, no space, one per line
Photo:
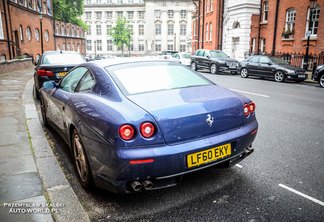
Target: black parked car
[270,67]
[319,75]
[53,65]
[214,60]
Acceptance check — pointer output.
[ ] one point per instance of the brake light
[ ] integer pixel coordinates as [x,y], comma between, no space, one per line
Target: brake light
[126,132]
[147,129]
[42,72]
[249,109]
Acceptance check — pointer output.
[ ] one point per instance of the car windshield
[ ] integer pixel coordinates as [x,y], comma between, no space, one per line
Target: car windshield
[218,54]
[185,56]
[278,61]
[63,59]
[133,79]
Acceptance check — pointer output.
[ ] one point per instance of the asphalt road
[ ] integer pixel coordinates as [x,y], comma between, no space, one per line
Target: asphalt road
[283,180]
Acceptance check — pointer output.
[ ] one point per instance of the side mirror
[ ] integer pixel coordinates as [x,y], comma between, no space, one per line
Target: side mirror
[269,63]
[48,85]
[208,56]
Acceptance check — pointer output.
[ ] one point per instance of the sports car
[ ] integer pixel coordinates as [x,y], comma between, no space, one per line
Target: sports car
[141,124]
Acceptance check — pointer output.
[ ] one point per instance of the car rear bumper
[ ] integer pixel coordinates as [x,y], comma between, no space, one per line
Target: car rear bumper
[170,162]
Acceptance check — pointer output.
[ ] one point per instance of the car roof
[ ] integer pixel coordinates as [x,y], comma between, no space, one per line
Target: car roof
[117,61]
[59,52]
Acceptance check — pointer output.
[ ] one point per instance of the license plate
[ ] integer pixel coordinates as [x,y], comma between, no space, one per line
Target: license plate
[210,155]
[301,76]
[61,74]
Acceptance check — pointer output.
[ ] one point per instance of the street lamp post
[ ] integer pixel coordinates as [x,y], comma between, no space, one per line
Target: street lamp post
[175,42]
[41,31]
[95,48]
[312,6]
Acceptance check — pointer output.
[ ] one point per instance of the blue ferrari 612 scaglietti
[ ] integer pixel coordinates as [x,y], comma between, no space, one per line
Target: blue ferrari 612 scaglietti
[140,124]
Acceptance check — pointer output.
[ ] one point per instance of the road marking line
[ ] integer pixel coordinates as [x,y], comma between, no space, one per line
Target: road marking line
[255,94]
[238,165]
[303,195]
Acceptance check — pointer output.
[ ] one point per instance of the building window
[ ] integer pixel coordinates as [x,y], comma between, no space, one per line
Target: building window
[170,29]
[207,32]
[157,29]
[141,47]
[63,30]
[109,29]
[78,47]
[21,32]
[46,35]
[37,35]
[88,15]
[183,14]
[131,47]
[253,45]
[109,45]
[141,15]
[130,29]
[68,47]
[315,13]
[98,29]
[87,2]
[98,15]
[99,45]
[130,15]
[109,1]
[210,31]
[170,46]
[98,2]
[119,14]
[141,30]
[290,21]
[262,45]
[183,29]
[28,33]
[89,45]
[89,30]
[182,48]
[157,14]
[207,6]
[265,11]
[158,47]
[108,15]
[170,14]
[211,5]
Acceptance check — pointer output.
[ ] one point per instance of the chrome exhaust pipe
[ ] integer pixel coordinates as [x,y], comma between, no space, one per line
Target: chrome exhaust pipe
[137,186]
[147,184]
[248,151]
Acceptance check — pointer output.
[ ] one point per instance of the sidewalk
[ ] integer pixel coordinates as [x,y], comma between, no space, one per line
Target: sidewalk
[32,186]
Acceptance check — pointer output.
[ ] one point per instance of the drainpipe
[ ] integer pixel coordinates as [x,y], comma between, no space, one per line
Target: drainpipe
[259,29]
[203,26]
[275,29]
[6,9]
[221,24]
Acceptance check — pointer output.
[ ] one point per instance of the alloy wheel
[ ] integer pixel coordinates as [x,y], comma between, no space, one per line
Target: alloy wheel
[279,76]
[80,159]
[213,68]
[244,73]
[193,66]
[321,81]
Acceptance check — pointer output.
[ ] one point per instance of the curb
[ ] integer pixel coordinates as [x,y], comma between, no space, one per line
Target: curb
[56,187]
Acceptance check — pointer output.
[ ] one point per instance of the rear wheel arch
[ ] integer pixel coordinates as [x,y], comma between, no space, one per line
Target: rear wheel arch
[321,78]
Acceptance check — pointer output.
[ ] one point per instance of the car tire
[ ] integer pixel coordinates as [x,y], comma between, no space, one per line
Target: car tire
[213,68]
[244,73]
[279,76]
[35,92]
[193,66]
[81,162]
[321,80]
[43,112]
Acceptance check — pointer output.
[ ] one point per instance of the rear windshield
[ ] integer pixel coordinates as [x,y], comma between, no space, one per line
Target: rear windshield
[218,54]
[142,78]
[63,59]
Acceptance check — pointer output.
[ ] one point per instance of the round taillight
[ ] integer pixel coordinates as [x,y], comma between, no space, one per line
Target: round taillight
[126,132]
[147,129]
[246,109]
[252,107]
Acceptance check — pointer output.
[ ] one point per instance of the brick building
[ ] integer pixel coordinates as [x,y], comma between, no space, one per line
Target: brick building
[27,29]
[282,27]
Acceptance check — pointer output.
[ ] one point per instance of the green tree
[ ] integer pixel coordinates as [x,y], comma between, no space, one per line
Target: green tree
[121,34]
[69,11]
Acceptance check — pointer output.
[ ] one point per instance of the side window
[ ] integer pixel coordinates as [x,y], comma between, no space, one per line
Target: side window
[206,53]
[71,80]
[86,83]
[264,60]
[255,59]
[200,53]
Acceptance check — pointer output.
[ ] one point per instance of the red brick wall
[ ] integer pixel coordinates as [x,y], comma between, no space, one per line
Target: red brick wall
[298,43]
[3,42]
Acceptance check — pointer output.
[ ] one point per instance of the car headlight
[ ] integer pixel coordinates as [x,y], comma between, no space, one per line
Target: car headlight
[319,67]
[288,71]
